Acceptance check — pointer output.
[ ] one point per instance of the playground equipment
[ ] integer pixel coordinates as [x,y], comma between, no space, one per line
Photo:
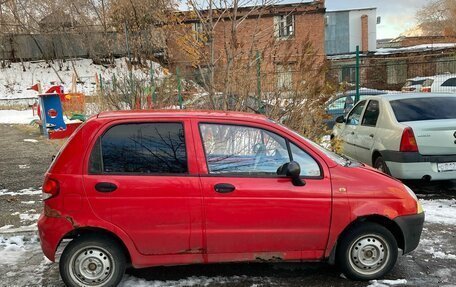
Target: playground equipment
[60,113]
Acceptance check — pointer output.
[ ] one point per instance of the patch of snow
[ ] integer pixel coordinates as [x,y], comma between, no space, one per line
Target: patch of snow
[440,211]
[386,283]
[130,281]
[27,228]
[24,166]
[28,217]
[31,140]
[16,117]
[11,249]
[26,191]
[14,81]
[439,254]
[4,227]
[28,202]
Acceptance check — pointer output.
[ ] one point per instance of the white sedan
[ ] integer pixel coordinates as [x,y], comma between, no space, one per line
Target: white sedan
[409,136]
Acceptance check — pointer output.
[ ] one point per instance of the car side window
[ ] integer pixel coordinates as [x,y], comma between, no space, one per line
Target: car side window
[142,148]
[232,149]
[309,167]
[338,104]
[355,115]
[371,114]
[449,83]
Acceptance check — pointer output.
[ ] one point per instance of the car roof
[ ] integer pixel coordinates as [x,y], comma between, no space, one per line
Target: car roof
[181,114]
[362,92]
[403,96]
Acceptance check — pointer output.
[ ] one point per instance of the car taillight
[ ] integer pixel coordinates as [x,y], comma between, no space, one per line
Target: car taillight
[50,188]
[426,89]
[408,141]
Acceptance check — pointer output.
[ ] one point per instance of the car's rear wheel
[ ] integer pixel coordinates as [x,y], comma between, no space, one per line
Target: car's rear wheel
[380,164]
[92,260]
[367,251]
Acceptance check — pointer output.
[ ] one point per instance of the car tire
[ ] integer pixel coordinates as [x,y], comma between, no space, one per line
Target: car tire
[92,260]
[366,252]
[380,164]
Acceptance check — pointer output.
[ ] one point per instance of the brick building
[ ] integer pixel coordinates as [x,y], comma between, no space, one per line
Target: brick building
[275,32]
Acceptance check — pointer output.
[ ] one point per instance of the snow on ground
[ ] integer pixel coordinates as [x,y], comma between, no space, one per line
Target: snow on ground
[26,191]
[17,117]
[12,249]
[441,211]
[31,140]
[131,281]
[14,81]
[386,283]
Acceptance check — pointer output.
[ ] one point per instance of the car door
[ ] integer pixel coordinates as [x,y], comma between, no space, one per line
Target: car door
[366,132]
[349,131]
[142,178]
[251,213]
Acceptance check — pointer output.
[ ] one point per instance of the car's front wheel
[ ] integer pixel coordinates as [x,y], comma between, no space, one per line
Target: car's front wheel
[367,251]
[92,260]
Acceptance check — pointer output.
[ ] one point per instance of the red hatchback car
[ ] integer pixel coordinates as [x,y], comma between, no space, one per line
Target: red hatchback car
[168,188]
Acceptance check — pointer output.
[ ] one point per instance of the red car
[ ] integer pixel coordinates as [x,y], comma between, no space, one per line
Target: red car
[175,187]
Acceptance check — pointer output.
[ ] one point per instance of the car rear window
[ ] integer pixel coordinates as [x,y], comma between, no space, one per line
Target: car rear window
[428,82]
[142,148]
[414,82]
[423,109]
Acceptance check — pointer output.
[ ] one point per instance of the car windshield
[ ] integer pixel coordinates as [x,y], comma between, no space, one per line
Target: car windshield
[424,109]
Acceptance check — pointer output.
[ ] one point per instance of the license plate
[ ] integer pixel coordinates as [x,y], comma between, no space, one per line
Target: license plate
[447,166]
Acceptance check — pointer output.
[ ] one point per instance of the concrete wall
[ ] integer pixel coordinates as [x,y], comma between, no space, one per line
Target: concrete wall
[343,31]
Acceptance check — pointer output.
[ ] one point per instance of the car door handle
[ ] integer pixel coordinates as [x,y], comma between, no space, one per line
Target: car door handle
[105,187]
[352,133]
[224,188]
[371,135]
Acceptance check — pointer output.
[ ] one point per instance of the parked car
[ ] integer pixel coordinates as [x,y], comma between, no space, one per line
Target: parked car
[343,102]
[168,188]
[440,84]
[414,84]
[409,136]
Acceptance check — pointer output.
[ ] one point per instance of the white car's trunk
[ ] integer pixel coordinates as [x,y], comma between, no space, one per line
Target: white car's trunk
[435,137]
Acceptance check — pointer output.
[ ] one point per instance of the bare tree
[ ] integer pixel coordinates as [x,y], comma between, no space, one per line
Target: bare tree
[438,17]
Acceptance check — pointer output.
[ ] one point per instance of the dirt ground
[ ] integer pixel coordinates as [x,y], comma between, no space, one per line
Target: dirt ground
[25,156]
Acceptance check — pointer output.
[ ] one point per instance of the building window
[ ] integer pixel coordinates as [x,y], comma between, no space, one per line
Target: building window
[284,77]
[396,73]
[198,30]
[284,26]
[348,74]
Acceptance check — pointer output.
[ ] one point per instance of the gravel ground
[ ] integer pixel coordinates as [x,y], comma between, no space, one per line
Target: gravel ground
[25,156]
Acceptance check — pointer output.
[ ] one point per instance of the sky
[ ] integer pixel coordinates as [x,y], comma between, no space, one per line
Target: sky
[397,15]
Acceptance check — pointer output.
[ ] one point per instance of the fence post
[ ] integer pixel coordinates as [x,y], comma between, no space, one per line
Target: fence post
[357,75]
[179,88]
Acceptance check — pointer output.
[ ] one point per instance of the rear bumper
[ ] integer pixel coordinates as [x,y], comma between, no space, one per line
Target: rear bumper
[411,227]
[51,231]
[413,165]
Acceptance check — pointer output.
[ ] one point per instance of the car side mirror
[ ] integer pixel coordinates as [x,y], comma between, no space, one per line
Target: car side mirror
[292,170]
[340,119]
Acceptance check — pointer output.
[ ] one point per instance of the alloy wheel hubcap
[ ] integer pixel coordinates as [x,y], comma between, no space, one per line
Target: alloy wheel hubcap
[369,254]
